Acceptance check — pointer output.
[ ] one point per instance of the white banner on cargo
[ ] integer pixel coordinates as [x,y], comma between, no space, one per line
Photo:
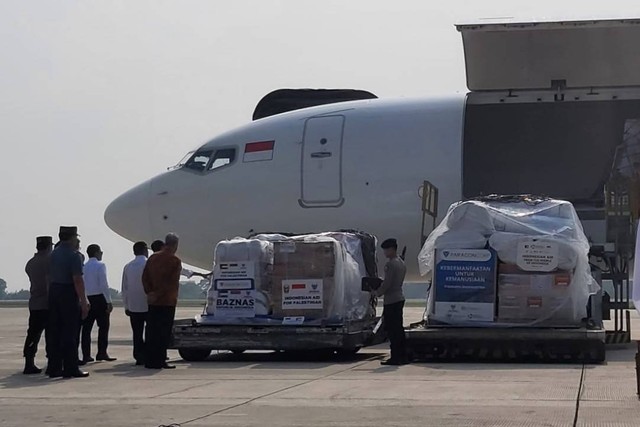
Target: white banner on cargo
[534,255]
[235,304]
[464,311]
[302,294]
[235,270]
[233,284]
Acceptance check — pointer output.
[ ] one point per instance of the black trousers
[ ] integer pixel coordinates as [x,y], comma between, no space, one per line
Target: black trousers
[392,320]
[38,321]
[137,321]
[64,311]
[159,334]
[97,313]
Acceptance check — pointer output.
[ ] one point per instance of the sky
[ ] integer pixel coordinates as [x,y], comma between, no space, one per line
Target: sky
[98,96]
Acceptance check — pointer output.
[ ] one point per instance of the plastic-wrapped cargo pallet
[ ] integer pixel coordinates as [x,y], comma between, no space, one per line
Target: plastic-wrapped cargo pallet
[271,277]
[508,261]
[240,276]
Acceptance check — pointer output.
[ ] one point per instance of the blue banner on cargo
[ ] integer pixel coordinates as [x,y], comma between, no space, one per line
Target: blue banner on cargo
[465,275]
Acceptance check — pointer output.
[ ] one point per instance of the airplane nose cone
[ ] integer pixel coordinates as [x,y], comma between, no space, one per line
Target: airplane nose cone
[128,215]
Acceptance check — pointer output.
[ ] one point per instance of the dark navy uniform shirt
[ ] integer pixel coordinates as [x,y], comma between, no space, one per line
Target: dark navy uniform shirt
[65,263]
[38,271]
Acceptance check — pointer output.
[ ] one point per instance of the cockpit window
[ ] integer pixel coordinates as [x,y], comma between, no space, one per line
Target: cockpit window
[199,160]
[182,162]
[222,158]
[209,159]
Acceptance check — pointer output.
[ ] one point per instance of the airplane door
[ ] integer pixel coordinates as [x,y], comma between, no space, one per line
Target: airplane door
[322,162]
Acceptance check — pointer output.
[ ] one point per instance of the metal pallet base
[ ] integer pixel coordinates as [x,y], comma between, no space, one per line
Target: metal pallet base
[188,334]
[579,345]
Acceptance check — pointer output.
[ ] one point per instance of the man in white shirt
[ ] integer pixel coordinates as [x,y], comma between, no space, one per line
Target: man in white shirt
[97,289]
[134,298]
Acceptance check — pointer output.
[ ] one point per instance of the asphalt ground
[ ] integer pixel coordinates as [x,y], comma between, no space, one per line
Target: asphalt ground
[268,389]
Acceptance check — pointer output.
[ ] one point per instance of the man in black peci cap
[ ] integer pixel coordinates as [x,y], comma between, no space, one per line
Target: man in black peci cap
[67,303]
[391,290]
[37,269]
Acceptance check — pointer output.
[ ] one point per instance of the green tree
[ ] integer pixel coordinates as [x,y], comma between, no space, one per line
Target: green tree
[21,295]
[3,289]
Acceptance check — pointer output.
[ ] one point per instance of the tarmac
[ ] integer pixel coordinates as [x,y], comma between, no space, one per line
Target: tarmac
[266,389]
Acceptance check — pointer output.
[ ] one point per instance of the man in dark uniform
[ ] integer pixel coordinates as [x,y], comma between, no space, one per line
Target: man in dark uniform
[37,269]
[81,361]
[67,303]
[391,290]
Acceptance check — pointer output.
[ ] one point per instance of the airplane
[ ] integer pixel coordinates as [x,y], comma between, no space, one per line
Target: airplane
[551,107]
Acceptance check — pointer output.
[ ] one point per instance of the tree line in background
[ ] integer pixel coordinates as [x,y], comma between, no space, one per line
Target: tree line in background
[188,290]
[195,291]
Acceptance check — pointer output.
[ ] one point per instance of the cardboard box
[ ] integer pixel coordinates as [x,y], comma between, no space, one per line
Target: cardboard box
[540,298]
[464,286]
[303,279]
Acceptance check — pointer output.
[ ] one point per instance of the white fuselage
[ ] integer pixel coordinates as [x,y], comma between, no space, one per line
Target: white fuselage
[536,120]
[366,175]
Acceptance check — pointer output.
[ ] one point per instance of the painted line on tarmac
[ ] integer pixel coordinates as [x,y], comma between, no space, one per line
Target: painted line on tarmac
[219,411]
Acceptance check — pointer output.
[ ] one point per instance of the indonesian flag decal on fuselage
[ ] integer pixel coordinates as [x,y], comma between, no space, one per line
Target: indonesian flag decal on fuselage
[258,151]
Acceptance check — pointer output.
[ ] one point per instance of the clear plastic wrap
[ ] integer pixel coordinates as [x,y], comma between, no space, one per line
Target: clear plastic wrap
[316,277]
[541,275]
[357,302]
[237,284]
[506,245]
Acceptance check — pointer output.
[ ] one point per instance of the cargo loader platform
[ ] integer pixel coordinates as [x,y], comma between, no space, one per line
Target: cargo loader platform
[195,341]
[552,345]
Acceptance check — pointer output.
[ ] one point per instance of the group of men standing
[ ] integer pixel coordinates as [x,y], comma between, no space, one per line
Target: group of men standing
[150,295]
[68,296]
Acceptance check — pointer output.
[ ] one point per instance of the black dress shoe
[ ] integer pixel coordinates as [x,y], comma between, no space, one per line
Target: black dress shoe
[105,358]
[55,374]
[85,361]
[32,369]
[167,366]
[76,374]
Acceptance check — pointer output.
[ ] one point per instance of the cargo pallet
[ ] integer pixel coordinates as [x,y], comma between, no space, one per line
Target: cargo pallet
[195,341]
[552,345]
